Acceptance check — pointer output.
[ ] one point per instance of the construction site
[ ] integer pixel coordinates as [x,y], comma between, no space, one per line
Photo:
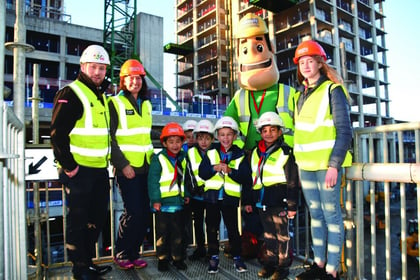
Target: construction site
[380,194]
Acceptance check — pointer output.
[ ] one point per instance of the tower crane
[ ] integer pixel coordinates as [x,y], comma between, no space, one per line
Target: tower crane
[120,39]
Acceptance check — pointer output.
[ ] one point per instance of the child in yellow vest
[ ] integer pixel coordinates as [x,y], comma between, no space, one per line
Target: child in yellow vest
[204,137]
[274,193]
[168,196]
[225,170]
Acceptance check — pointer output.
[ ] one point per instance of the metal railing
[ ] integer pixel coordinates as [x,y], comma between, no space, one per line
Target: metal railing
[12,198]
[380,164]
[384,156]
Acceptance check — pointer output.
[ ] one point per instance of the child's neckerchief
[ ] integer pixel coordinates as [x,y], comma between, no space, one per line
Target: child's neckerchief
[178,171]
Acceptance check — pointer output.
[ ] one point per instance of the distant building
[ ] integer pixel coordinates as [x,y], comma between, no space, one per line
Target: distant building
[354,28]
[58,45]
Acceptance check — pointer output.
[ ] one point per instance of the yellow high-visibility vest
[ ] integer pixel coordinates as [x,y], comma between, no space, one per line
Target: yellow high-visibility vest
[167,176]
[133,132]
[216,182]
[273,171]
[284,107]
[195,160]
[315,132]
[90,138]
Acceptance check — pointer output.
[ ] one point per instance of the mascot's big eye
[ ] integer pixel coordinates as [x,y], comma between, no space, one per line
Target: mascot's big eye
[244,50]
[260,48]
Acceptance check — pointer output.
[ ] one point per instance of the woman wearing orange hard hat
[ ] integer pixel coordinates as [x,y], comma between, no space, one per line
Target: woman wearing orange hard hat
[131,151]
[322,142]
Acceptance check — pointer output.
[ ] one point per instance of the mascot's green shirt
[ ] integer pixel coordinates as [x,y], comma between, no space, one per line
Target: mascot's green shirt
[265,101]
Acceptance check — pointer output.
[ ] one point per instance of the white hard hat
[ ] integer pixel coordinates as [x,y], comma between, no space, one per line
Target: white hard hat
[204,126]
[227,122]
[96,54]
[269,118]
[189,125]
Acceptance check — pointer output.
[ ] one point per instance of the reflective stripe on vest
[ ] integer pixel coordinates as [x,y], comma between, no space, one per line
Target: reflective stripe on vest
[216,182]
[195,160]
[284,107]
[315,132]
[89,139]
[166,177]
[273,171]
[133,132]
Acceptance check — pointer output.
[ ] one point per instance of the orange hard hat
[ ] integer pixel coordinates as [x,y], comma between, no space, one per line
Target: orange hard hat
[309,47]
[172,129]
[132,67]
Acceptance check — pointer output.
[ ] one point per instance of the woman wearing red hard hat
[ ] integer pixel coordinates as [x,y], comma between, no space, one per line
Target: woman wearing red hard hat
[322,141]
[131,151]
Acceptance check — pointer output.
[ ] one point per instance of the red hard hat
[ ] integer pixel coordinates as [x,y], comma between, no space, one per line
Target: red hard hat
[309,47]
[172,129]
[132,67]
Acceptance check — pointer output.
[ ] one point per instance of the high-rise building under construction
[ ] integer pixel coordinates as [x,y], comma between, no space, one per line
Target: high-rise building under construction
[351,32]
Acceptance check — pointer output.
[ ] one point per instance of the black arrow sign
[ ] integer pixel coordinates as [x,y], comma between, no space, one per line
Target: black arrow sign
[33,169]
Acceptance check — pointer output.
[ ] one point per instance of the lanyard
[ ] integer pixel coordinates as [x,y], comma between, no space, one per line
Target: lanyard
[258,108]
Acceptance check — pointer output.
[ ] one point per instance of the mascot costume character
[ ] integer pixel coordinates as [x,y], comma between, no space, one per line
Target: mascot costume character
[258,78]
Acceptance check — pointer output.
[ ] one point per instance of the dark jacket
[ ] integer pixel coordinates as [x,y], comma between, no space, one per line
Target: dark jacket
[340,110]
[66,112]
[241,175]
[282,195]
[117,157]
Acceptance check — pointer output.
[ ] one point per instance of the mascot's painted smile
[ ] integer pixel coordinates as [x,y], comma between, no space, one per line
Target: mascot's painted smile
[259,65]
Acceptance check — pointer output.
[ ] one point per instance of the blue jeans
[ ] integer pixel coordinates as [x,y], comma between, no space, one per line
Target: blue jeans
[327,226]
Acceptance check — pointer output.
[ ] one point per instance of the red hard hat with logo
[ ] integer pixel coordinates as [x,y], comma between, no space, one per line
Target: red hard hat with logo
[132,67]
[310,48]
[172,129]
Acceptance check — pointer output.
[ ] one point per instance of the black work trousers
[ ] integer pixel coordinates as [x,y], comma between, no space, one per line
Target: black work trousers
[214,211]
[87,196]
[276,236]
[197,207]
[170,235]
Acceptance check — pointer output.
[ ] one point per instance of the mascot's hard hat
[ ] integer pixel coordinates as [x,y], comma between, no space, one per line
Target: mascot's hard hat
[269,118]
[95,54]
[172,129]
[251,25]
[132,67]
[310,48]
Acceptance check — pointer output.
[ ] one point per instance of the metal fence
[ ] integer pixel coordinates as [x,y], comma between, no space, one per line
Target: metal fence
[12,198]
[386,160]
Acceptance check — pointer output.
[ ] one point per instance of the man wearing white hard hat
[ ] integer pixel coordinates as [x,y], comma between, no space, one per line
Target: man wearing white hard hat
[81,143]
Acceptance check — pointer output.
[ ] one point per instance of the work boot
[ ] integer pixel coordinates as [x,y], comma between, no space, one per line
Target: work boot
[197,254]
[100,270]
[330,277]
[266,271]
[163,265]
[312,273]
[180,265]
[280,273]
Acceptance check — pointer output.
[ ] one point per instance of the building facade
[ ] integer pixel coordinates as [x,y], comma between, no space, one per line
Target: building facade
[351,32]
[58,45]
